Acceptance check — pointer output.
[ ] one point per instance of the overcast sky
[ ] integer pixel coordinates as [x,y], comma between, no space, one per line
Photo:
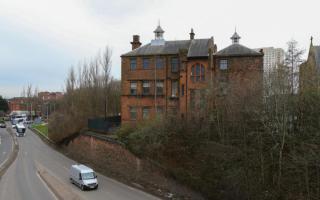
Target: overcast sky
[41,39]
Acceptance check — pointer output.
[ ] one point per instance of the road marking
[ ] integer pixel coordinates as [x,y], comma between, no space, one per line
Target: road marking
[4,152]
[45,185]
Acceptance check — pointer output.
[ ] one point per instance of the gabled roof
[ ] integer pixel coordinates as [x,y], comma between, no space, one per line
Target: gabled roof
[199,48]
[238,50]
[196,48]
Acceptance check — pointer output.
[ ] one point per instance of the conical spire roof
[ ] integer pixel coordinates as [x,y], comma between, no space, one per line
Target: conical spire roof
[158,29]
[235,38]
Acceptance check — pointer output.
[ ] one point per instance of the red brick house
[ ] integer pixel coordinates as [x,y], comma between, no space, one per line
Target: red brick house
[168,76]
[17,104]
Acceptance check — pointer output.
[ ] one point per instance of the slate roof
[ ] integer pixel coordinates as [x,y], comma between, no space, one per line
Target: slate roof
[237,50]
[196,48]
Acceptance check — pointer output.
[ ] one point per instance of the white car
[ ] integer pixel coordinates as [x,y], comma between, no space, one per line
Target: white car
[84,177]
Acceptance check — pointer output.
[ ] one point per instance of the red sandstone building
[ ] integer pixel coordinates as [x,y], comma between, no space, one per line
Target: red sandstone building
[17,104]
[169,76]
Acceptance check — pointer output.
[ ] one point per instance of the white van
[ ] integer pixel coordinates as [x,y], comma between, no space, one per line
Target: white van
[84,177]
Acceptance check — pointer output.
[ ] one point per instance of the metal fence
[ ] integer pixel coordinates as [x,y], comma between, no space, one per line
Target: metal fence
[104,125]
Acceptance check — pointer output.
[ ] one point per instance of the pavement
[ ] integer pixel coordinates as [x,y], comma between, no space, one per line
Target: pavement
[22,181]
[5,145]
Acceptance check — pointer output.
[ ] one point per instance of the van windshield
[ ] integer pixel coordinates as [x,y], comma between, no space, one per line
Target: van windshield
[89,175]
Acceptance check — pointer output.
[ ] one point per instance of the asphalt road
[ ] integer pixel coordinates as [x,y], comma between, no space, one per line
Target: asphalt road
[5,145]
[21,181]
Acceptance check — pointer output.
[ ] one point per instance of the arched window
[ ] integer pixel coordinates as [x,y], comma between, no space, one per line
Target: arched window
[197,73]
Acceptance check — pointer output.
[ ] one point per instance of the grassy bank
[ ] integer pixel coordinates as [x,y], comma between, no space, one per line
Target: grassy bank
[42,128]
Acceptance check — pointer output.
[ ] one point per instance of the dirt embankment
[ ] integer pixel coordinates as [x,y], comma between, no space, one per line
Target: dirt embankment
[115,161]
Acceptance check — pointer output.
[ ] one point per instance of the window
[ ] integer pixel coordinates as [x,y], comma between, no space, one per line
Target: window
[174,88]
[174,64]
[182,90]
[197,73]
[159,87]
[133,87]
[223,64]
[159,111]
[159,63]
[145,63]
[145,112]
[133,113]
[145,87]
[133,64]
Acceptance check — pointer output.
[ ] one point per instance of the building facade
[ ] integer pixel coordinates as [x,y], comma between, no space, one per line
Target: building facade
[168,76]
[18,104]
[272,57]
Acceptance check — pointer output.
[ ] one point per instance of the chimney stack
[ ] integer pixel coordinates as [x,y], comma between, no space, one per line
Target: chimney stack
[136,42]
[192,34]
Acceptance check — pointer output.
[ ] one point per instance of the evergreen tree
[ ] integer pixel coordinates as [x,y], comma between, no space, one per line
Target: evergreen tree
[3,104]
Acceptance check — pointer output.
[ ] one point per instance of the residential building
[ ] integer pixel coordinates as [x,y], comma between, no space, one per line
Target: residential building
[168,76]
[17,104]
[272,57]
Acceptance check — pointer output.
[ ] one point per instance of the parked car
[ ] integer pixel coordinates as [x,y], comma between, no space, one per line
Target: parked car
[84,177]
[3,124]
[21,130]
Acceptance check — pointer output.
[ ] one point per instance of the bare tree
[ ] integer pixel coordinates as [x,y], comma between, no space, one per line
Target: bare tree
[293,59]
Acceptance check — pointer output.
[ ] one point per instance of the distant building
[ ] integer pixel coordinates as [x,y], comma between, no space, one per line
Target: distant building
[50,96]
[309,72]
[272,57]
[169,76]
[18,104]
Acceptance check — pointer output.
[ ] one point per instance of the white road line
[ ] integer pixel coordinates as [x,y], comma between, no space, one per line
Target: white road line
[45,184]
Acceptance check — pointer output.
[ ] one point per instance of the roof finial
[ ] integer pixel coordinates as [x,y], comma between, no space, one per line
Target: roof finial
[192,34]
[311,39]
[158,22]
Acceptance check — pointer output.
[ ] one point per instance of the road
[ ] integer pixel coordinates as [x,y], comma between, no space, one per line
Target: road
[5,145]
[21,181]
